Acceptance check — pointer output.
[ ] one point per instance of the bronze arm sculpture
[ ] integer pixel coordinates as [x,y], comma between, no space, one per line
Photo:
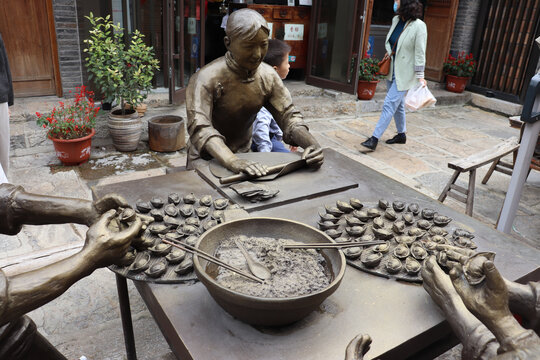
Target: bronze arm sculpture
[21,293]
[223,98]
[480,314]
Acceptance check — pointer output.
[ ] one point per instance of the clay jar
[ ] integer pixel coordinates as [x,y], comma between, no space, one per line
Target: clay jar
[166,133]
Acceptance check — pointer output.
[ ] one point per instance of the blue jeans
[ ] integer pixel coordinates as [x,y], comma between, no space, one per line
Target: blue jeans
[277,146]
[394,105]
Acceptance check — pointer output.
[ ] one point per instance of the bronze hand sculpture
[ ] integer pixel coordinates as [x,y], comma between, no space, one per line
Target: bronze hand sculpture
[21,293]
[223,99]
[479,314]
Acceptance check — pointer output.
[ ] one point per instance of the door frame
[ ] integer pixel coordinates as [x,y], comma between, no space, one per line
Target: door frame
[178,96]
[54,49]
[356,43]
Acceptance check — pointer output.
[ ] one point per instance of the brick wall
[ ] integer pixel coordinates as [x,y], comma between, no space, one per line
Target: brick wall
[67,36]
[465,26]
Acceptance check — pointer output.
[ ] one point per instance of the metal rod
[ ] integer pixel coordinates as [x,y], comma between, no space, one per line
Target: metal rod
[347,244]
[243,176]
[125,314]
[210,258]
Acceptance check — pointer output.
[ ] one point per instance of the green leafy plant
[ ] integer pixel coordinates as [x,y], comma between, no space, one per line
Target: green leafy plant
[122,70]
[463,65]
[73,119]
[369,69]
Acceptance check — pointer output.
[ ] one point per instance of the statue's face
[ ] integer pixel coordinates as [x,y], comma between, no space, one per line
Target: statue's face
[249,53]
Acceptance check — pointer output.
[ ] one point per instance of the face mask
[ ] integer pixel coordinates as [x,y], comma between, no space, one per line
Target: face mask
[395,7]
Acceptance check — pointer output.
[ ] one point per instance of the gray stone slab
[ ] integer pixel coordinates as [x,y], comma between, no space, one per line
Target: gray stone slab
[301,184]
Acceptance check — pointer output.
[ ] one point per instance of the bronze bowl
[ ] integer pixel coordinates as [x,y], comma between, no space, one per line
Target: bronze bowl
[267,311]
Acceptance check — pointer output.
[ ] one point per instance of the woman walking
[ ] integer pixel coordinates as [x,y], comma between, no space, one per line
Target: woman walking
[406,43]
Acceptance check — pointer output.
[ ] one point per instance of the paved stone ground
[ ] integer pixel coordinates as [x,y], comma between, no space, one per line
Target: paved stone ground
[85,320]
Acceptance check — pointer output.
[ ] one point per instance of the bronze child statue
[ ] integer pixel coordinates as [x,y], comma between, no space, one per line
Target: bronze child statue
[223,99]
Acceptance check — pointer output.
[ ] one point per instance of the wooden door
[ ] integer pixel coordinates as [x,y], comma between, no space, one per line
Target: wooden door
[335,42]
[27,28]
[439,17]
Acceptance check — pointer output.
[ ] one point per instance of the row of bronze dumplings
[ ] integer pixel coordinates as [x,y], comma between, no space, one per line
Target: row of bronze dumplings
[410,234]
[181,220]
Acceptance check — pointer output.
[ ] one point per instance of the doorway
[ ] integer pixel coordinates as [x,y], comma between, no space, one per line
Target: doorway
[27,28]
[335,44]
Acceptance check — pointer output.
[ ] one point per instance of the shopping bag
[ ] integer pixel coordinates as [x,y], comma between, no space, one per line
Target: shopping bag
[418,97]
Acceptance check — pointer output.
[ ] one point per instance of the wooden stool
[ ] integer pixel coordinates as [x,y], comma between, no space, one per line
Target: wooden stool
[473,162]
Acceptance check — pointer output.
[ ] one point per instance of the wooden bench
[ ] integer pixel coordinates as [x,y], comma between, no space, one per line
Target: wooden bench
[473,162]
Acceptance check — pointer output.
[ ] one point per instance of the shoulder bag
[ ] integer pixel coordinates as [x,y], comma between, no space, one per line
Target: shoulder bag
[384,64]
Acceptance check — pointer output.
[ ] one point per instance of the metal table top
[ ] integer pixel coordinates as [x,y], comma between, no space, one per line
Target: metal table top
[401,318]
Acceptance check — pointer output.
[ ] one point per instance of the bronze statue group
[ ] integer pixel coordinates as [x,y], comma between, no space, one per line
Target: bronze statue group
[222,101]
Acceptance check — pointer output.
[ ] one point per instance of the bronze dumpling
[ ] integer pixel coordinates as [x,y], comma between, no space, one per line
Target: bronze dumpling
[353,252]
[174,198]
[186,210]
[423,224]
[428,214]
[193,221]
[191,240]
[362,215]
[436,230]
[463,232]
[355,203]
[189,199]
[418,252]
[143,206]
[473,269]
[333,210]
[171,222]
[221,203]
[157,202]
[405,239]
[141,263]
[156,214]
[401,251]
[381,248]
[378,223]
[383,234]
[441,220]
[408,218]
[390,214]
[366,237]
[127,215]
[341,239]
[185,266]
[158,228]
[353,221]
[373,213]
[371,259]
[399,227]
[416,232]
[398,206]
[412,266]
[157,269]
[202,211]
[414,208]
[206,200]
[383,204]
[209,224]
[170,210]
[160,249]
[326,225]
[393,265]
[333,233]
[355,231]
[175,256]
[344,206]
[328,217]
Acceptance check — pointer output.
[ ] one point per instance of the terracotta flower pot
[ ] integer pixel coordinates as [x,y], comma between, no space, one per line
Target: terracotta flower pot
[366,89]
[166,133]
[74,151]
[125,130]
[456,83]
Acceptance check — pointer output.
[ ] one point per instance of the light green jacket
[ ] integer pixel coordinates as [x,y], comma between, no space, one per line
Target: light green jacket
[410,57]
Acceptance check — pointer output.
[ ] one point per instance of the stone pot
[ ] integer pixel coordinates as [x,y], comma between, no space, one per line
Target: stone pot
[125,130]
[73,151]
[366,89]
[456,83]
[166,133]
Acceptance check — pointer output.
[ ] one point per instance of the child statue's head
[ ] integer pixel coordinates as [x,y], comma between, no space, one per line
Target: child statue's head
[247,38]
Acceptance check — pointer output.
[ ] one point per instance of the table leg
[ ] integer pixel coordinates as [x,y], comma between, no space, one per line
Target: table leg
[125,314]
[519,175]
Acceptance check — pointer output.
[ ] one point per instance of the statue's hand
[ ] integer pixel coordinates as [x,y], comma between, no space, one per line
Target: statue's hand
[488,300]
[358,347]
[106,203]
[104,246]
[249,167]
[437,284]
[314,156]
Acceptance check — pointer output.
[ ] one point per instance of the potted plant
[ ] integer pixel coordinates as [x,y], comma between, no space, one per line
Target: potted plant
[368,78]
[458,71]
[71,127]
[123,70]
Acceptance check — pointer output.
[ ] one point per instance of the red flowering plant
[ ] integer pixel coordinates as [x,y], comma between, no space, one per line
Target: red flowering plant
[463,65]
[368,69]
[72,119]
